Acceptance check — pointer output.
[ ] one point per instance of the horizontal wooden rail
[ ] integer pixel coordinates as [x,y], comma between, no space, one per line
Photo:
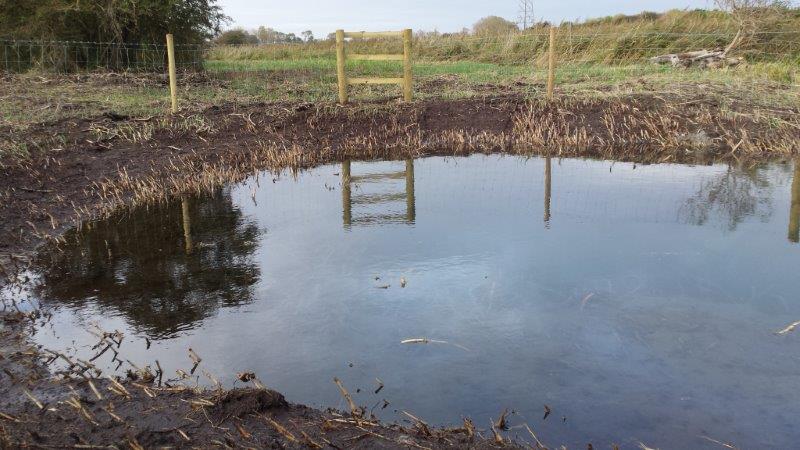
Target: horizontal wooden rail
[372,80]
[375,57]
[373,34]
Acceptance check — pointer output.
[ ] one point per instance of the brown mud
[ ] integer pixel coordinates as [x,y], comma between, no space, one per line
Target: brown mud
[84,410]
[97,165]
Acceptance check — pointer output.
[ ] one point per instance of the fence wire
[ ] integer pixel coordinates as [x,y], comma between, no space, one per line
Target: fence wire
[443,66]
[19,56]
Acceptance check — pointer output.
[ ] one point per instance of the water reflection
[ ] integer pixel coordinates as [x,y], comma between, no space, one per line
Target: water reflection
[548,170]
[373,201]
[164,268]
[732,196]
[187,225]
[794,212]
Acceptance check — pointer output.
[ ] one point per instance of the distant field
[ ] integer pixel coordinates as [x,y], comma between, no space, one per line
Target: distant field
[610,40]
[452,77]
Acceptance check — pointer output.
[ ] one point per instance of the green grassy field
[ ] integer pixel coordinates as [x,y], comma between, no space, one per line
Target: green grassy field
[314,79]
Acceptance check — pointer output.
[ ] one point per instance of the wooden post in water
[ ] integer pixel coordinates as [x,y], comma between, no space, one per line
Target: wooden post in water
[173,82]
[794,212]
[187,225]
[347,201]
[411,199]
[408,83]
[548,171]
[551,69]
[340,73]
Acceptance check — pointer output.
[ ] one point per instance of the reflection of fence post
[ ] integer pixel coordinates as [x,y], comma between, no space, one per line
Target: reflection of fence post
[794,212]
[411,200]
[551,69]
[187,224]
[173,82]
[547,189]
[340,74]
[407,72]
[347,201]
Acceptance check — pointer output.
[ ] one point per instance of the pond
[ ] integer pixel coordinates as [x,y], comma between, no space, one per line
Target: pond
[639,303]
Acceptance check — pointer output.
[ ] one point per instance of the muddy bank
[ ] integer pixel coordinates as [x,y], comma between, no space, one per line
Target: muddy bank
[82,408]
[101,163]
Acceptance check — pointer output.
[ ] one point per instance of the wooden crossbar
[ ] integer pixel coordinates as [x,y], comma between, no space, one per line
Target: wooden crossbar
[344,81]
[358,57]
[373,34]
[372,80]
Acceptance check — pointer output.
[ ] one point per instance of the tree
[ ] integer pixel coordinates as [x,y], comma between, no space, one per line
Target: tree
[307,36]
[272,36]
[751,16]
[237,36]
[494,26]
[115,21]
[526,17]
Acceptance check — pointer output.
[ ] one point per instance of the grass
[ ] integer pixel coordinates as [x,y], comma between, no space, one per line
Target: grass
[37,98]
[619,39]
[316,78]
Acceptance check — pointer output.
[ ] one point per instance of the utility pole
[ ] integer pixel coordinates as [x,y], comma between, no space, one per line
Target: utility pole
[526,13]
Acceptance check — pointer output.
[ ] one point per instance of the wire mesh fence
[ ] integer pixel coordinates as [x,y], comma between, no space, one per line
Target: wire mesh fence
[19,56]
[444,66]
[519,59]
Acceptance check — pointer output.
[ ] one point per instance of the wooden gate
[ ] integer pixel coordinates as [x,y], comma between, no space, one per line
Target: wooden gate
[341,57]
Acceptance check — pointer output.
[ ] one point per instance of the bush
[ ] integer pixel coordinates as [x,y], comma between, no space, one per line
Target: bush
[237,36]
[494,26]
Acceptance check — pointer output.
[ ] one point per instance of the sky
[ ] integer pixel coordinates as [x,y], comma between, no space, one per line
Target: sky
[325,16]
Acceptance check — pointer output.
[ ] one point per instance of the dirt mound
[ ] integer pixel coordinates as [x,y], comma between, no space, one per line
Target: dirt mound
[241,402]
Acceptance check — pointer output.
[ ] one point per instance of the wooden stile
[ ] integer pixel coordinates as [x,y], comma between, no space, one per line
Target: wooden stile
[406,82]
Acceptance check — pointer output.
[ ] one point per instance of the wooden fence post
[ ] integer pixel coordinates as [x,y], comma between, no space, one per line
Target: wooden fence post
[551,71]
[173,82]
[340,67]
[408,83]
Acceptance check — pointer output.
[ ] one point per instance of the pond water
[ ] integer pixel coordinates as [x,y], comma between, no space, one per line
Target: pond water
[640,303]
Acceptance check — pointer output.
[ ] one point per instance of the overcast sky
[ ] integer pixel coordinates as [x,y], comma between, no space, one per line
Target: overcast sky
[325,16]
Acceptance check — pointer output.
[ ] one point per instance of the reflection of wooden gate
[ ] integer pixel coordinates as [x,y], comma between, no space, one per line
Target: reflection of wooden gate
[348,199]
[341,58]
